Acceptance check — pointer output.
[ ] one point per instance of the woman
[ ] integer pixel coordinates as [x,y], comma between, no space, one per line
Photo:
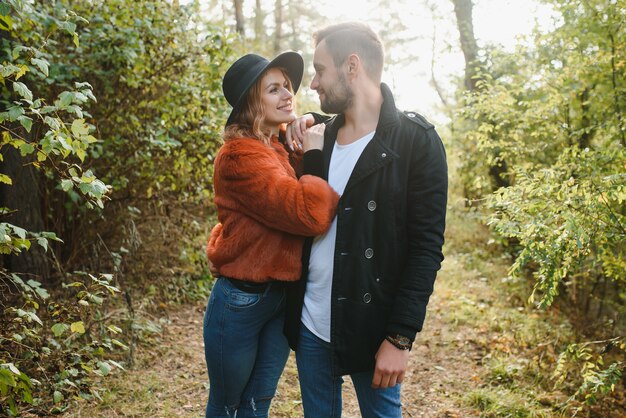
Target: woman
[264,213]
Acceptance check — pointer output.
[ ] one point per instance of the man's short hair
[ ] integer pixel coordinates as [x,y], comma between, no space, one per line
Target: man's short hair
[343,39]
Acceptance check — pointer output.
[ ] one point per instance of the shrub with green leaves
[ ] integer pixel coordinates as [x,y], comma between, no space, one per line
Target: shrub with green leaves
[48,348]
[597,378]
[552,114]
[114,102]
[52,349]
[156,70]
[567,219]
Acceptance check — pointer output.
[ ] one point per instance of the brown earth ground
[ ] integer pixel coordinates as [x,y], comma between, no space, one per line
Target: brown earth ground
[484,352]
[169,379]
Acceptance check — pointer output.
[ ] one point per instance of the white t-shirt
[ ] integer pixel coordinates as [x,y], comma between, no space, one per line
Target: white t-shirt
[316,310]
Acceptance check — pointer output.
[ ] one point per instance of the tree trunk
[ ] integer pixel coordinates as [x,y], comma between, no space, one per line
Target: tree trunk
[239,20]
[586,131]
[23,199]
[259,32]
[278,21]
[433,60]
[465,24]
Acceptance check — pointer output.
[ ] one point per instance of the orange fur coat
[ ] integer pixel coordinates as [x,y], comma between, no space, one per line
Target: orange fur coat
[264,212]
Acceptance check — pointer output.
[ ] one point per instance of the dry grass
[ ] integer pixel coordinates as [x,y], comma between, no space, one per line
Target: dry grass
[483,352]
[170,377]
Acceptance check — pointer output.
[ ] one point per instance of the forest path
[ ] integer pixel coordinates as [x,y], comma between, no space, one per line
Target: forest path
[169,378]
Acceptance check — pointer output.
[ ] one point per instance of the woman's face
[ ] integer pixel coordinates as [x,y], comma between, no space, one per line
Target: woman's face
[276,99]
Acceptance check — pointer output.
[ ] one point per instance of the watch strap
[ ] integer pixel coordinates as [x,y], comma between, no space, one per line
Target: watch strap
[400,341]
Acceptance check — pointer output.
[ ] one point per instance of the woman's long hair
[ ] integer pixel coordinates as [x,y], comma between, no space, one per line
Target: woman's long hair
[247,122]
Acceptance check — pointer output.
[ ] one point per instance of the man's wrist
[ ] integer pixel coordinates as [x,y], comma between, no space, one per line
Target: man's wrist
[399,341]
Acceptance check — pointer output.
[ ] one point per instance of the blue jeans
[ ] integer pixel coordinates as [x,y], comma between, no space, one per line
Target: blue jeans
[245,349]
[321,388]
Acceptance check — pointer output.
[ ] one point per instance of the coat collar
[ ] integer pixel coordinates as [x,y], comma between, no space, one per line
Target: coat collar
[388,111]
[387,117]
[377,153]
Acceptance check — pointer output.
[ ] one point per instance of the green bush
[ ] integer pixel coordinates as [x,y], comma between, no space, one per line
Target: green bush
[115,109]
[551,117]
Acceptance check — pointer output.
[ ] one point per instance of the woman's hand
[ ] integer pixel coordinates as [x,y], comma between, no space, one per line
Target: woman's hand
[314,138]
[296,130]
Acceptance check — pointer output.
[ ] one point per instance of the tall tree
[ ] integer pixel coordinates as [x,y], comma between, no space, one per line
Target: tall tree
[20,199]
[278,22]
[23,199]
[239,19]
[259,17]
[465,24]
[498,168]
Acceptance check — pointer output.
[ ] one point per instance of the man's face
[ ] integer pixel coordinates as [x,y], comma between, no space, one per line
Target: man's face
[330,82]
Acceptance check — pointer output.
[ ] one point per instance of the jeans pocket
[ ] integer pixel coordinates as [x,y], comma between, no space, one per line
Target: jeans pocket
[239,300]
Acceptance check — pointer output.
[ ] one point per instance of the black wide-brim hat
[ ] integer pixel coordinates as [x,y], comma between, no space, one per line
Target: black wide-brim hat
[242,75]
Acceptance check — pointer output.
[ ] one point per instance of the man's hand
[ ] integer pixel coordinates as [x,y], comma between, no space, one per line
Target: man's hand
[296,130]
[391,363]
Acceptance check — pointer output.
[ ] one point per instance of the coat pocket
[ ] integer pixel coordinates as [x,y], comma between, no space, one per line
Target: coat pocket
[361,332]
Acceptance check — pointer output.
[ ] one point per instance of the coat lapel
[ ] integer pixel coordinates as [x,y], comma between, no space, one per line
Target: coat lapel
[375,156]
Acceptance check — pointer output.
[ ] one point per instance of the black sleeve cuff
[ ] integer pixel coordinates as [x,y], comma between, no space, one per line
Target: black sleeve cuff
[313,163]
[398,329]
[319,118]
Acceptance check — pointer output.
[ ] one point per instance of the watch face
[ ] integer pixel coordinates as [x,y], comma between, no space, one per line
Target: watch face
[400,341]
[403,340]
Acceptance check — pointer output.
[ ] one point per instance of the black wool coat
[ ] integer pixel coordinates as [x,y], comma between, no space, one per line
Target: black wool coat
[390,227]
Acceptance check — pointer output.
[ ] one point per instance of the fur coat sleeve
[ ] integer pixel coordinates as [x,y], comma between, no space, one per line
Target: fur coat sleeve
[257,181]
[264,212]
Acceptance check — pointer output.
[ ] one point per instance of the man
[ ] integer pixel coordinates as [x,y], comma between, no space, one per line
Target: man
[364,294]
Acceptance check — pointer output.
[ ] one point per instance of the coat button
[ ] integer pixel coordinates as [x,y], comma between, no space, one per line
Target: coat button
[384,154]
[369,253]
[367,298]
[411,114]
[371,205]
[378,280]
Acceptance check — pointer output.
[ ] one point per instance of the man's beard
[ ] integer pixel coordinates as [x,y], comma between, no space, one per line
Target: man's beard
[338,97]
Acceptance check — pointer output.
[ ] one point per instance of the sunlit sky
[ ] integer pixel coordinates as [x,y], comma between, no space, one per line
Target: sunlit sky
[502,22]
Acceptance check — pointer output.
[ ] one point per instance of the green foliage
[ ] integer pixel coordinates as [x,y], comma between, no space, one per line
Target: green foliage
[14,385]
[548,121]
[14,240]
[63,343]
[567,219]
[46,337]
[157,71]
[594,379]
[110,101]
[49,131]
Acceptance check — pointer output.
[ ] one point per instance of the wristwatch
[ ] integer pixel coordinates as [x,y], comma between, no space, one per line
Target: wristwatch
[399,341]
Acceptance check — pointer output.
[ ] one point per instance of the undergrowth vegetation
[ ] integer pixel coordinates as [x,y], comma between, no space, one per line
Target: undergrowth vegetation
[521,346]
[109,123]
[548,120]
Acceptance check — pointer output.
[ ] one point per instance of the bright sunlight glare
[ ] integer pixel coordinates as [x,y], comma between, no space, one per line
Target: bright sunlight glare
[430,47]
